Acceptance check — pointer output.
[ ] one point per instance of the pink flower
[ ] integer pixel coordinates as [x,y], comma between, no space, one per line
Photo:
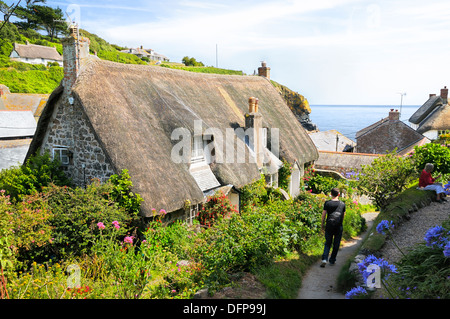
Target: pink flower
[128,240]
[116,224]
[163,211]
[100,225]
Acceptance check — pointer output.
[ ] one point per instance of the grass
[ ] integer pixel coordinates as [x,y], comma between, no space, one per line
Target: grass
[283,278]
[396,212]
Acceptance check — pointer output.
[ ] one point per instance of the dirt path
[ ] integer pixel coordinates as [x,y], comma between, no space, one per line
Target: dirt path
[320,283]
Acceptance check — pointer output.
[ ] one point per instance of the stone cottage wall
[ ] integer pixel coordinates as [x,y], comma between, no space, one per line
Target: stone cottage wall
[70,128]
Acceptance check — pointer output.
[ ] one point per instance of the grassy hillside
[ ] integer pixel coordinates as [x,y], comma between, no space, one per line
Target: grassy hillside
[28,78]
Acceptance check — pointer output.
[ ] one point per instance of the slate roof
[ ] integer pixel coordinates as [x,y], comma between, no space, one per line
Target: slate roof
[17,124]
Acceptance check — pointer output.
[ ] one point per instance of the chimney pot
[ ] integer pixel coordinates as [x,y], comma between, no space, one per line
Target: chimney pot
[256,105]
[394,115]
[251,104]
[264,71]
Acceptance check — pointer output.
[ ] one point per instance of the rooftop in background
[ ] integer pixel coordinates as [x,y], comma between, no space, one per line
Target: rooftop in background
[17,124]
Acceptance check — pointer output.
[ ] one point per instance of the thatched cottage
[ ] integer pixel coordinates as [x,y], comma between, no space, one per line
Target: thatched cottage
[35,54]
[433,117]
[106,116]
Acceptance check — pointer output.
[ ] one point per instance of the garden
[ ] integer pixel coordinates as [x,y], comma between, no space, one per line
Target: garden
[58,241]
[423,272]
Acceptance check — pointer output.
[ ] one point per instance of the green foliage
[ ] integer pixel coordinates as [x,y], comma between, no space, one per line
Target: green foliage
[423,273]
[191,62]
[120,57]
[7,257]
[75,214]
[385,178]
[122,194]
[284,175]
[197,69]
[319,184]
[436,154]
[39,171]
[216,207]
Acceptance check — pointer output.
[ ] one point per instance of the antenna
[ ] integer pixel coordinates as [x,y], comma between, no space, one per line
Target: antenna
[401,100]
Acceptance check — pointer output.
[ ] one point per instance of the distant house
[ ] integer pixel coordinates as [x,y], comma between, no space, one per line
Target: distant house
[387,135]
[35,54]
[433,117]
[16,131]
[332,140]
[146,53]
[181,135]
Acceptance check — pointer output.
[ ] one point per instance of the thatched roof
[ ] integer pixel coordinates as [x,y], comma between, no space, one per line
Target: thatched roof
[134,110]
[33,51]
[438,120]
[425,109]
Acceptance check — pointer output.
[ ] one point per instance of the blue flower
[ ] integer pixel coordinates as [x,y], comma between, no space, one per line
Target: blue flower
[355,293]
[447,249]
[385,267]
[384,226]
[436,237]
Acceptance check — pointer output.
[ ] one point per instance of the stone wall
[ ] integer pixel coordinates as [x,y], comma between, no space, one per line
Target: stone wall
[70,128]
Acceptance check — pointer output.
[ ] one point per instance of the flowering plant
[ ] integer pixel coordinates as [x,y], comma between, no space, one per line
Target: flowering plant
[356,293]
[437,237]
[384,226]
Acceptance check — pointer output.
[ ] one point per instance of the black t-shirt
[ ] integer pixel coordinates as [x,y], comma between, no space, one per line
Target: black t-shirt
[331,205]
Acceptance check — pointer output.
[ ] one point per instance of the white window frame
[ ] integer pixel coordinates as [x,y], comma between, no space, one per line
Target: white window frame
[197,153]
[64,159]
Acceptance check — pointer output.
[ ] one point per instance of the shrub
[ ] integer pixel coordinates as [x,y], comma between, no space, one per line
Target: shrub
[436,154]
[385,178]
[39,171]
[75,214]
[216,206]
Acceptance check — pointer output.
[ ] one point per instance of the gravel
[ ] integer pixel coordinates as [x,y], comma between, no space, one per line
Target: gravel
[413,231]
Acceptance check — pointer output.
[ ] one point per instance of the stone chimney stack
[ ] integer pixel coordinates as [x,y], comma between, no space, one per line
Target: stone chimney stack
[394,115]
[264,71]
[444,94]
[254,130]
[75,48]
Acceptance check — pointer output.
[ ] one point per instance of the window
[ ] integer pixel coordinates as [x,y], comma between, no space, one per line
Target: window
[62,154]
[197,148]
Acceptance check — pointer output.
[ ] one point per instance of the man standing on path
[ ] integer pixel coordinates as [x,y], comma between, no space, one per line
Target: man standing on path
[334,211]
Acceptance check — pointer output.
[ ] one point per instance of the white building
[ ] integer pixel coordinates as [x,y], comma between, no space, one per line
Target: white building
[35,54]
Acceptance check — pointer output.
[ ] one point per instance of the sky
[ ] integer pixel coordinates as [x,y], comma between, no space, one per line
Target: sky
[351,52]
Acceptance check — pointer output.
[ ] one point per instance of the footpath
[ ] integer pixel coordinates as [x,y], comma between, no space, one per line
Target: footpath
[320,283]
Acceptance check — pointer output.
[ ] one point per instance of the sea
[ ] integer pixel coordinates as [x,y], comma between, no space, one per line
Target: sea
[349,119]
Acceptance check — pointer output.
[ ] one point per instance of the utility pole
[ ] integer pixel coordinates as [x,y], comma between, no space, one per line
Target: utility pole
[217,59]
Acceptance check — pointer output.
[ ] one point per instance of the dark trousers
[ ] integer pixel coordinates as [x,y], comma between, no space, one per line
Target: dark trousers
[332,239]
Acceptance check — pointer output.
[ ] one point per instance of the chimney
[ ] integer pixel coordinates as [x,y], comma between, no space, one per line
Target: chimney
[75,48]
[444,94]
[394,115]
[264,71]
[432,95]
[254,130]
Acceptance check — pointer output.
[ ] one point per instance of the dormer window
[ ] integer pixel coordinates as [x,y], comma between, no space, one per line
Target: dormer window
[197,149]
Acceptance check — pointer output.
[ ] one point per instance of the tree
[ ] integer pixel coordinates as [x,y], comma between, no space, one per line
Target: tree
[385,178]
[191,62]
[13,9]
[39,17]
